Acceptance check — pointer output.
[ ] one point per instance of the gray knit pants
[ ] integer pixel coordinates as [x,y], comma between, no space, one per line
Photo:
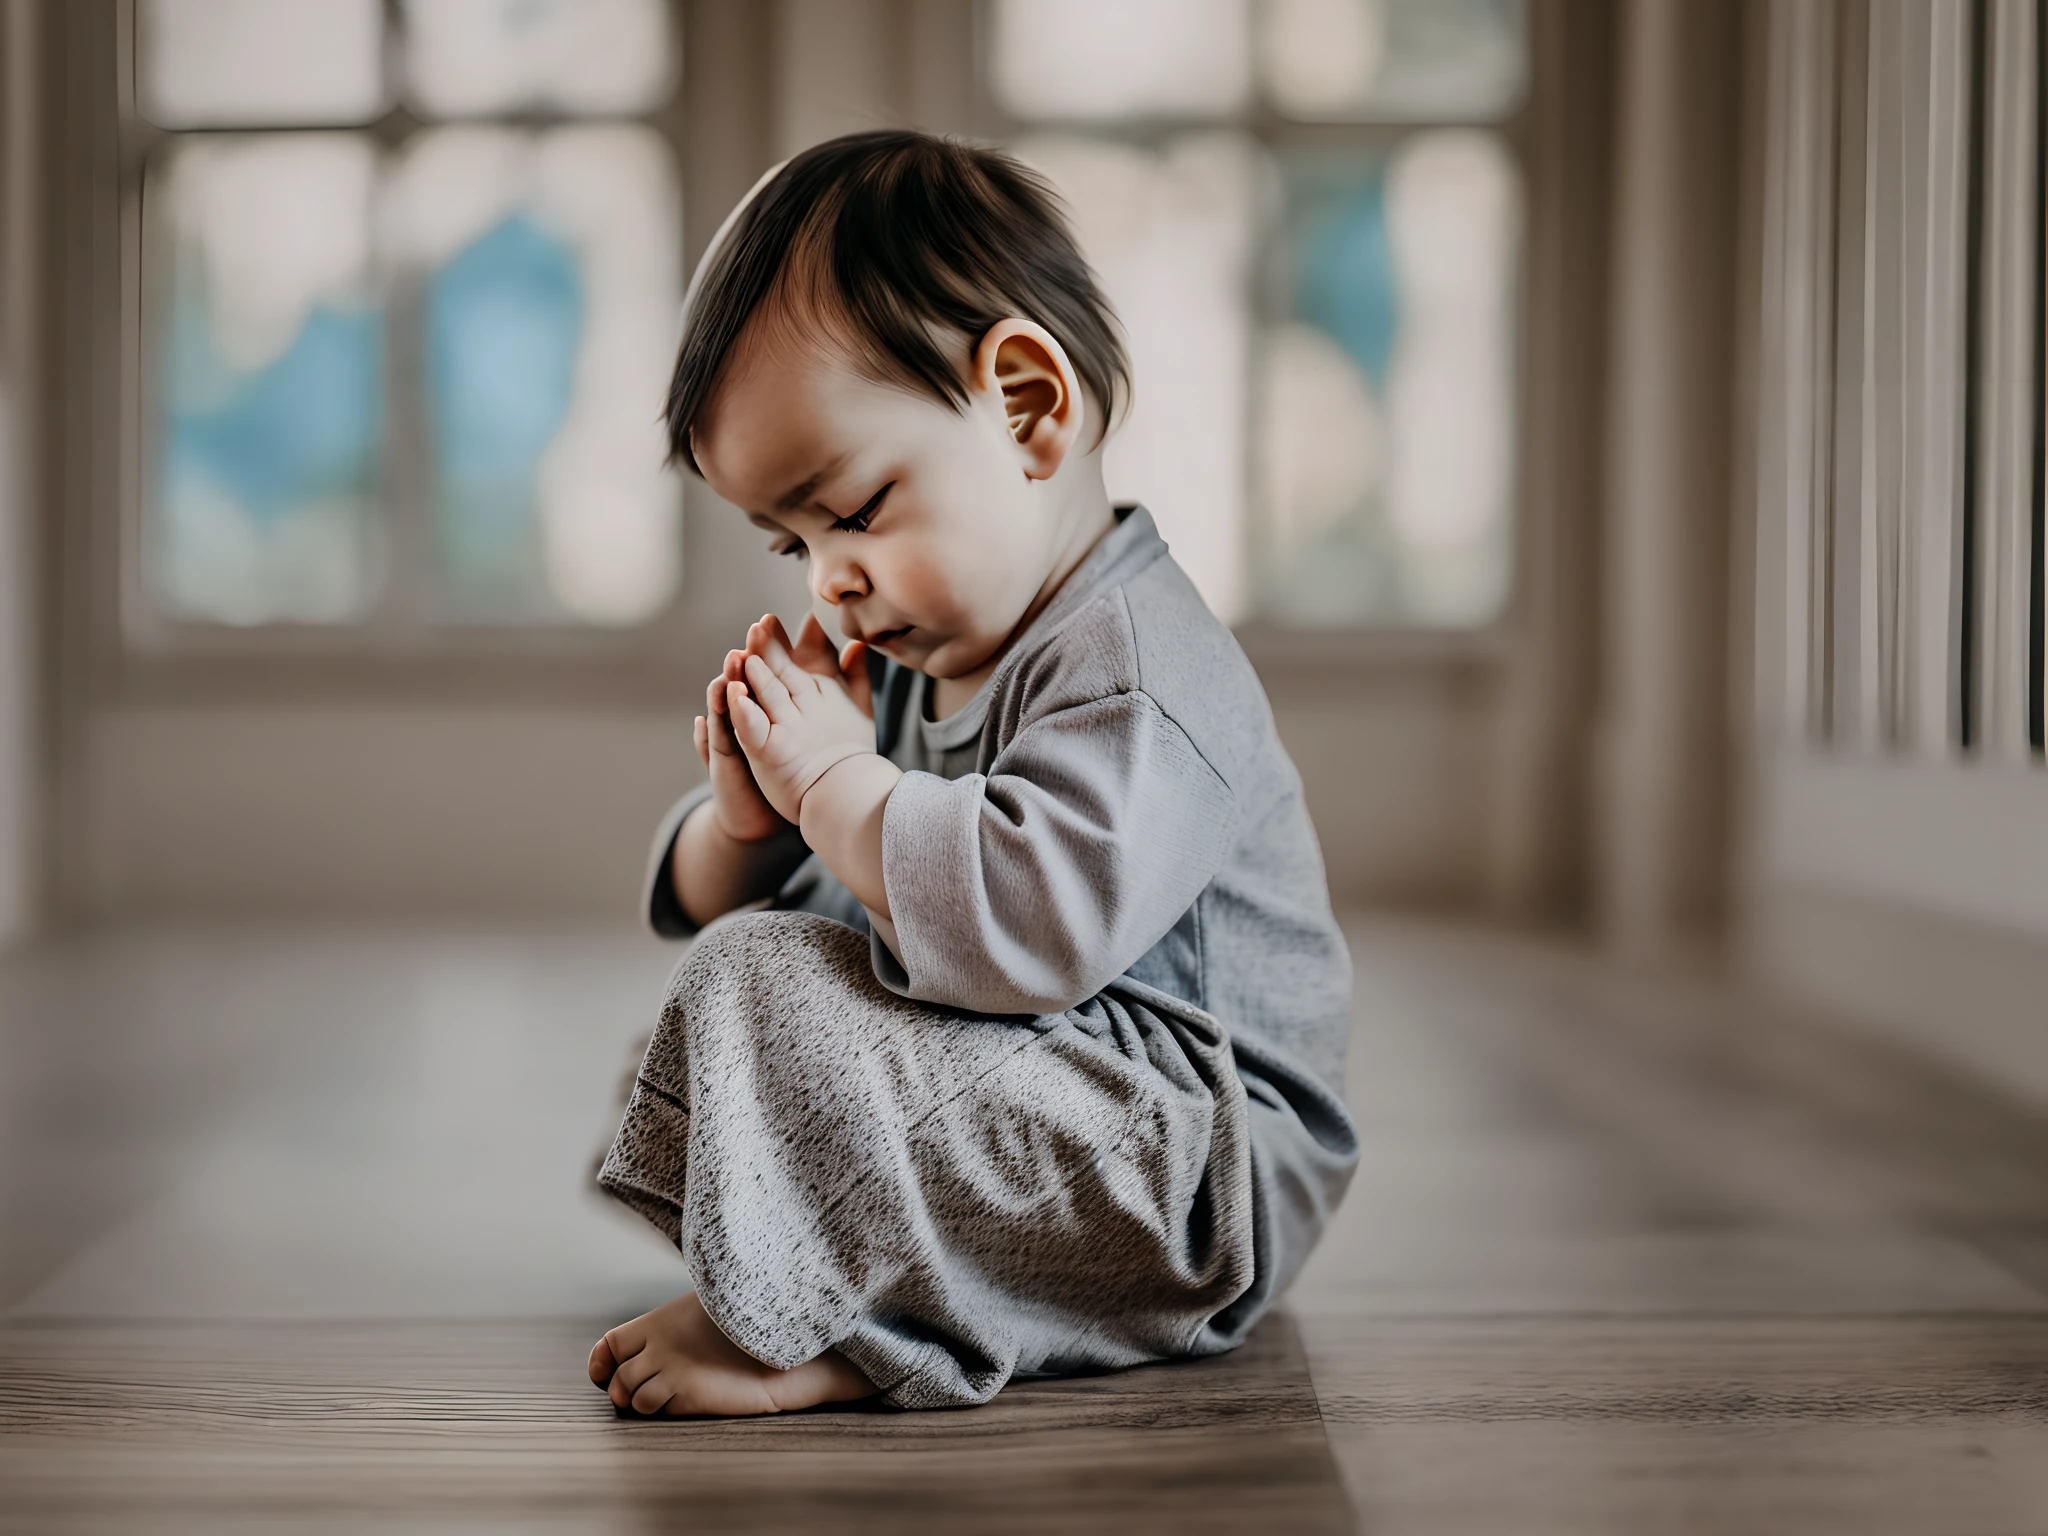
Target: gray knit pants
[948,1199]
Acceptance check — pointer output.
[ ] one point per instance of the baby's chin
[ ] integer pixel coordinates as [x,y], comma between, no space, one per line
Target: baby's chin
[944,659]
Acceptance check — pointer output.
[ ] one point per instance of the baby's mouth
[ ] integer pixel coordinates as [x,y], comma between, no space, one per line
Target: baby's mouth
[888,637]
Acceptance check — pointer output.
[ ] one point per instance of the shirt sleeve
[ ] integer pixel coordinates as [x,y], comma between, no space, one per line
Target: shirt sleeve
[1030,888]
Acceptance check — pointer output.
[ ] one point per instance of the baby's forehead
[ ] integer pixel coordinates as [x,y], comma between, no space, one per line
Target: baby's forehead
[787,392]
[783,422]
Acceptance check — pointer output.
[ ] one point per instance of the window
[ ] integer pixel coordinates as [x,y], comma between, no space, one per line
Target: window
[411,275]
[1308,215]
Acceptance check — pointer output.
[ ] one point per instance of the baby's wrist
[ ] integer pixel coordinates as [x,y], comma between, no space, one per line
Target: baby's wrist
[848,783]
[810,796]
[739,831]
[767,833]
[842,815]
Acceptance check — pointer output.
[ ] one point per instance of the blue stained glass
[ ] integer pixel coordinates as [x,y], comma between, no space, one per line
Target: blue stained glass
[504,321]
[1343,266]
[268,473]
[1387,417]
[306,427]
[268,438]
[1337,566]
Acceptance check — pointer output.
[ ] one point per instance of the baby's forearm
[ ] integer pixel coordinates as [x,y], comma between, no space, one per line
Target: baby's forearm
[714,872]
[842,822]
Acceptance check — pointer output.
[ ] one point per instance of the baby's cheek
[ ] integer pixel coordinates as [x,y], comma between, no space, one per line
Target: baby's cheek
[929,589]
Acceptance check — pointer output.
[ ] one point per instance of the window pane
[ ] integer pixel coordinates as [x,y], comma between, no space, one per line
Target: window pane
[470,58]
[270,405]
[1170,234]
[233,63]
[1387,401]
[1121,58]
[1350,60]
[549,267]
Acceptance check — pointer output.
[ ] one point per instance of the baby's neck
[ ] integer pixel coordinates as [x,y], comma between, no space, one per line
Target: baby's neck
[1090,517]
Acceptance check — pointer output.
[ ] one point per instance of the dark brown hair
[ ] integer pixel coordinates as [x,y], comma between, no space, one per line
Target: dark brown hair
[894,239]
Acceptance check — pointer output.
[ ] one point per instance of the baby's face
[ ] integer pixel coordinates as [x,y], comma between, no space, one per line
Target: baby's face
[923,533]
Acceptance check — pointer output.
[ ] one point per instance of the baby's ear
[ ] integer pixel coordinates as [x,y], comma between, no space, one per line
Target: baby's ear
[1041,396]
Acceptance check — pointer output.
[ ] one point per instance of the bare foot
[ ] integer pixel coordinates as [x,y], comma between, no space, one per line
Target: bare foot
[675,1361]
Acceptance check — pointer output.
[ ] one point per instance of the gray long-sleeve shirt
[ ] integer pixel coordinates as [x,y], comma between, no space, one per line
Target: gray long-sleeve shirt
[1115,802]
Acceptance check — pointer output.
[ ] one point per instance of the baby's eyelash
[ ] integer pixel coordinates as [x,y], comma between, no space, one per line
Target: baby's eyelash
[793,549]
[858,522]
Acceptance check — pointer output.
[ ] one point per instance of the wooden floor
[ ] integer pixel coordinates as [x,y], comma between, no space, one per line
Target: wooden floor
[295,1232]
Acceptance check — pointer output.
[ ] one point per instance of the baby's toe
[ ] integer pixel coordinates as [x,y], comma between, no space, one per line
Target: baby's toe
[602,1362]
[632,1374]
[655,1394]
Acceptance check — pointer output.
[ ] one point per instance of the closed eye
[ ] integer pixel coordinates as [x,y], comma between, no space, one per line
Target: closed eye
[858,522]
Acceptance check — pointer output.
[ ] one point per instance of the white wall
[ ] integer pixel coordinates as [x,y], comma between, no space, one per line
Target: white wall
[377,810]
[393,811]
[1910,899]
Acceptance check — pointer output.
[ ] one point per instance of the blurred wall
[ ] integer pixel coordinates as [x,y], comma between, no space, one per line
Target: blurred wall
[1894,848]
[1740,683]
[21,761]
[1662,755]
[1439,773]
[19,764]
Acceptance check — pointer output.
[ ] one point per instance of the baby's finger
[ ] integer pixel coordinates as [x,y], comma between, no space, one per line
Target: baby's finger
[800,680]
[749,722]
[723,741]
[813,651]
[700,738]
[718,720]
[774,649]
[767,640]
[735,661]
[719,716]
[768,688]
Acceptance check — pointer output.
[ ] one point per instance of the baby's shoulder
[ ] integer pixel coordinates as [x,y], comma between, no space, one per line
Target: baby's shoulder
[1089,655]
[1153,634]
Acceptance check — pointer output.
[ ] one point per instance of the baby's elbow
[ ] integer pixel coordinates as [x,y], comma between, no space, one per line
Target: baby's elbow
[1007,965]
[1060,976]
[1011,980]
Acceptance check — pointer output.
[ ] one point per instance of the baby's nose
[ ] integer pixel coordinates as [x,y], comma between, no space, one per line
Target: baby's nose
[837,580]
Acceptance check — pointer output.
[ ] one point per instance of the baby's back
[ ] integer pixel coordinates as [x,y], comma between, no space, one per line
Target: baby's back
[1271,960]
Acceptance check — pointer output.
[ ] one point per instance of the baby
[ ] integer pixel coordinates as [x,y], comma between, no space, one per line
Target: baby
[1031,1064]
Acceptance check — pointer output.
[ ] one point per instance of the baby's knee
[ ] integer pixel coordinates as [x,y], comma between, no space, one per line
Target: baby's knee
[749,946]
[748,979]
[745,968]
